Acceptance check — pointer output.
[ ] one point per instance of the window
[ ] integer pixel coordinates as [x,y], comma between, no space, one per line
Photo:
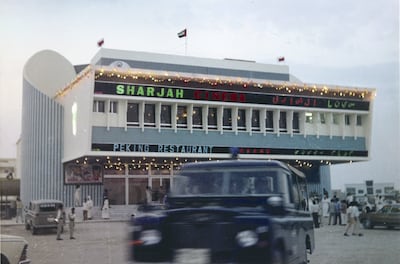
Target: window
[295,123]
[322,118]
[150,115]
[181,117]
[227,119]
[347,120]
[212,118]
[309,118]
[132,114]
[359,120]
[241,119]
[335,119]
[282,122]
[255,120]
[166,116]
[98,106]
[269,121]
[113,107]
[197,117]
[360,191]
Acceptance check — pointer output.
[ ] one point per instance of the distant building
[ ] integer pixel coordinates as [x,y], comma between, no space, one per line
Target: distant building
[129,119]
[370,188]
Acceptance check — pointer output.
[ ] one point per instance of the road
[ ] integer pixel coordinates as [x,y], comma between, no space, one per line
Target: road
[105,242]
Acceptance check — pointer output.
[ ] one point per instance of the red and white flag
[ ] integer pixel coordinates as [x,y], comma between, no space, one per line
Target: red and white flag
[280,59]
[100,42]
[182,34]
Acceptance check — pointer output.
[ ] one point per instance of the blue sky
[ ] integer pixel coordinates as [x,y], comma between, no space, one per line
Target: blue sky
[349,43]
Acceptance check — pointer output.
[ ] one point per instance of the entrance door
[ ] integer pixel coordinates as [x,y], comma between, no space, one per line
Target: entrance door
[116,190]
[160,187]
[137,190]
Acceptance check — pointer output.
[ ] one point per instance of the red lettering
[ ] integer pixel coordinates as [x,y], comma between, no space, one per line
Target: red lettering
[197,95]
[242,98]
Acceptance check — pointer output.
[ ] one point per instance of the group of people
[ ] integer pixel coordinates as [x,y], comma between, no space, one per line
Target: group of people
[337,212]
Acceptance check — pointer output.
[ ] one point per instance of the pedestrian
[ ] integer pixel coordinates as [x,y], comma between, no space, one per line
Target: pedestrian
[343,212]
[332,212]
[325,206]
[105,212]
[71,218]
[352,219]
[338,219]
[356,215]
[161,195]
[314,208]
[89,205]
[105,195]
[19,206]
[60,221]
[85,210]
[77,196]
[148,195]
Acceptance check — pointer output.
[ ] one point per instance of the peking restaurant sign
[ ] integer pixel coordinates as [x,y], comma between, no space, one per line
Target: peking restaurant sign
[177,93]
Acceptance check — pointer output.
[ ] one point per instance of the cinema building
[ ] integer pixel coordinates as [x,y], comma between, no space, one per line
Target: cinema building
[130,119]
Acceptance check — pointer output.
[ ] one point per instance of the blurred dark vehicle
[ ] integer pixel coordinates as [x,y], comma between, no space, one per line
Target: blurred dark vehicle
[232,211]
[41,214]
[13,250]
[388,215]
[148,209]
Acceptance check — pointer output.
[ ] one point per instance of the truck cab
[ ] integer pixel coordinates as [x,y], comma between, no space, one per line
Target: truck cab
[235,211]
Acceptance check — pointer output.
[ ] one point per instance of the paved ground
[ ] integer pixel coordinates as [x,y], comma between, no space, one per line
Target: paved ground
[105,242]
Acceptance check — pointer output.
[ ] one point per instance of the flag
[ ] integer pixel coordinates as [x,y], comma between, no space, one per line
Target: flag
[100,42]
[182,34]
[280,59]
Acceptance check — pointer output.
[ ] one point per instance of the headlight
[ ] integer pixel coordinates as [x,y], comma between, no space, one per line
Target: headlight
[150,237]
[247,238]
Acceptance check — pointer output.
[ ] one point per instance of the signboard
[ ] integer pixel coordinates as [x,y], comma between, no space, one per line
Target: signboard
[206,149]
[83,173]
[189,93]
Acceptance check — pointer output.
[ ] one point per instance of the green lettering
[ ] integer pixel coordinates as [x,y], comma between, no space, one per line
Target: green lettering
[130,90]
[179,93]
[161,92]
[140,91]
[150,91]
[120,89]
[170,93]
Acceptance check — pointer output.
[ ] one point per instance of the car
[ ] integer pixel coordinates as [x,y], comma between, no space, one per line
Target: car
[388,215]
[232,211]
[13,250]
[41,214]
[145,209]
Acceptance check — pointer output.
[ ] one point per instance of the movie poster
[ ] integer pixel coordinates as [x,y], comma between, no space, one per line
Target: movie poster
[83,173]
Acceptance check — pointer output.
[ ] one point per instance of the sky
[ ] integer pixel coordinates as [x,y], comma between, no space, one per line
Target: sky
[348,43]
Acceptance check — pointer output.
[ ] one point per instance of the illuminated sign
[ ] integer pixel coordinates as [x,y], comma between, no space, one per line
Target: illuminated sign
[192,93]
[207,149]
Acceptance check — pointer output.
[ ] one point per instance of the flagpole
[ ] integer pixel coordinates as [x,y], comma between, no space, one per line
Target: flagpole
[186,45]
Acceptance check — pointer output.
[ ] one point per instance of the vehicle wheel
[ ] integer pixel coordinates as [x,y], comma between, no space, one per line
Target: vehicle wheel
[33,230]
[4,260]
[367,224]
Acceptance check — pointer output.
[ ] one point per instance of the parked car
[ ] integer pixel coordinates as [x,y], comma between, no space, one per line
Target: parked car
[13,250]
[232,211]
[388,215]
[41,214]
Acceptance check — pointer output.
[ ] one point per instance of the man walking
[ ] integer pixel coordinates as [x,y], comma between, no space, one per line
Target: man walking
[60,221]
[71,218]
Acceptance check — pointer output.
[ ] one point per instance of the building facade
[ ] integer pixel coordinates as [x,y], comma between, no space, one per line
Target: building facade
[129,119]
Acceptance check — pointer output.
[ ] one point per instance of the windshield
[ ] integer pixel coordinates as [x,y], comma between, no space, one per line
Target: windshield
[223,181]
